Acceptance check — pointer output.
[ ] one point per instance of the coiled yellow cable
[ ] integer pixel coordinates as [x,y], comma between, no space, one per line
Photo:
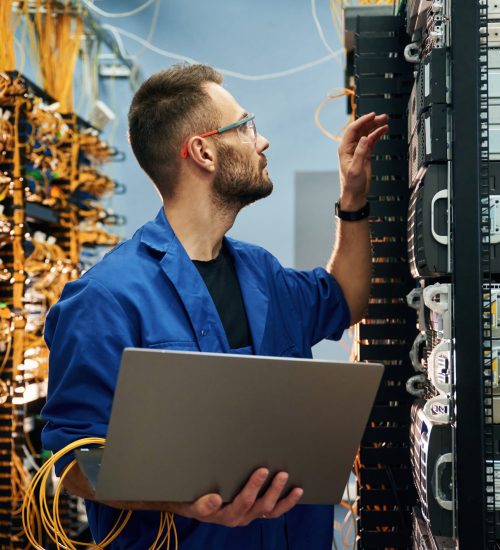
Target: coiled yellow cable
[51,520]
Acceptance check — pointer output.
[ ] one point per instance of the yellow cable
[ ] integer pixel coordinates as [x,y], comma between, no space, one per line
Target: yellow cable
[163,522]
[343,92]
[166,538]
[8,24]
[59,41]
[41,478]
[51,521]
[112,535]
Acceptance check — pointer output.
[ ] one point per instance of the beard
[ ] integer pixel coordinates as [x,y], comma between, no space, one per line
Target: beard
[239,181]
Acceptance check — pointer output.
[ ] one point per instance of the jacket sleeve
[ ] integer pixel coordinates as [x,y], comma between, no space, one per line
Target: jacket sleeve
[319,303]
[86,332]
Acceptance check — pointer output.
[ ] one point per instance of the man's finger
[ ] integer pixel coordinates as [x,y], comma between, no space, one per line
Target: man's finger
[360,121]
[374,136]
[286,504]
[358,160]
[382,118]
[204,507]
[372,125]
[234,512]
[362,126]
[266,504]
[366,122]
[353,128]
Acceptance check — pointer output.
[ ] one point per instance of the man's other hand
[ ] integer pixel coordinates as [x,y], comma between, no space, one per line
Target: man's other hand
[246,506]
[355,152]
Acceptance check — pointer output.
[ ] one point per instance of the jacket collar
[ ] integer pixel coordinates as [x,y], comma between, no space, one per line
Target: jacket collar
[158,233]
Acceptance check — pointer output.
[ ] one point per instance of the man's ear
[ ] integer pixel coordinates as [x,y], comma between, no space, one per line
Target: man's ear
[202,152]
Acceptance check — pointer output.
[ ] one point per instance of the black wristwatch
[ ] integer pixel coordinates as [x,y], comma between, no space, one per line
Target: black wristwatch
[356,216]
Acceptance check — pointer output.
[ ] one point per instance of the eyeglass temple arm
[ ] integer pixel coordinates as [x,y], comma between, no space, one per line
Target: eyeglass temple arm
[184,150]
[237,123]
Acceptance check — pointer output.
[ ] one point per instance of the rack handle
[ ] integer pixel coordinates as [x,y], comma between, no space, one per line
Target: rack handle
[440,195]
[439,495]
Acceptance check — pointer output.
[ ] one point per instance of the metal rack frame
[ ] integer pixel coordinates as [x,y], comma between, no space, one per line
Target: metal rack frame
[475,510]
[386,492]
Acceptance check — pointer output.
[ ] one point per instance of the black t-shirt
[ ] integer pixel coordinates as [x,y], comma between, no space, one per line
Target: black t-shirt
[222,283]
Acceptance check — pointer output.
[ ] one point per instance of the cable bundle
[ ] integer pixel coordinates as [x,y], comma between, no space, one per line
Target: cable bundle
[5,338]
[95,148]
[7,29]
[59,41]
[90,233]
[49,515]
[48,269]
[49,141]
[96,184]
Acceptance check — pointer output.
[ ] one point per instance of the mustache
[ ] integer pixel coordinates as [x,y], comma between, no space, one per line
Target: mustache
[263,162]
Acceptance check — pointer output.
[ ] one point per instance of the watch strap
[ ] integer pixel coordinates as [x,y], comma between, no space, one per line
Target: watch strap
[355,216]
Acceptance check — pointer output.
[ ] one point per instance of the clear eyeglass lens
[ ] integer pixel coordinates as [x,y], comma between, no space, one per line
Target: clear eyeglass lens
[248,132]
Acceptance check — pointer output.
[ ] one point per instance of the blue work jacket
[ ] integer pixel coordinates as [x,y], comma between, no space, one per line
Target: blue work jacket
[147,293]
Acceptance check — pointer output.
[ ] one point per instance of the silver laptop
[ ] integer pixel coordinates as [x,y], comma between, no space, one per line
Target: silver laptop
[184,424]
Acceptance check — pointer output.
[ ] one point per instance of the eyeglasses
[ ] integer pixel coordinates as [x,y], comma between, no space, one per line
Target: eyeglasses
[245,127]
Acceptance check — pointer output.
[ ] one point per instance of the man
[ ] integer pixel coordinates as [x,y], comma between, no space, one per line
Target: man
[179,283]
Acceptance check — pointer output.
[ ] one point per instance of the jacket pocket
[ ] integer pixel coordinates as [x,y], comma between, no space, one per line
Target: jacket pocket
[176,345]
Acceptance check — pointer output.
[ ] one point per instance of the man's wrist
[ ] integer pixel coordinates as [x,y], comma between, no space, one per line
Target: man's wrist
[352,215]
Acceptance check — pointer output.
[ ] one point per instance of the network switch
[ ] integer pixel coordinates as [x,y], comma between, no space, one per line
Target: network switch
[428,221]
[431,86]
[428,224]
[432,464]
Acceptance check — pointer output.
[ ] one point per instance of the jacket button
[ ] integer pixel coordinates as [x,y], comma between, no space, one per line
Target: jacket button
[203,332]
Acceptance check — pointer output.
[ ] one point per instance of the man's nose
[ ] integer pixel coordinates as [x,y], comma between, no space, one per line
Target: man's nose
[261,144]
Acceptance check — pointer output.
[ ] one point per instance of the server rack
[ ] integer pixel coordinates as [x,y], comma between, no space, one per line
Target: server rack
[453,254]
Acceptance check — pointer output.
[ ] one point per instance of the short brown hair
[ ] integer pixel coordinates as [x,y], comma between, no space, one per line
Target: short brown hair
[166,110]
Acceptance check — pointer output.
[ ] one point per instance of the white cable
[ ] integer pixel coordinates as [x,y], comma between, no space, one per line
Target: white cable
[30,459]
[103,13]
[119,41]
[335,547]
[118,31]
[280,74]
[353,516]
[318,26]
